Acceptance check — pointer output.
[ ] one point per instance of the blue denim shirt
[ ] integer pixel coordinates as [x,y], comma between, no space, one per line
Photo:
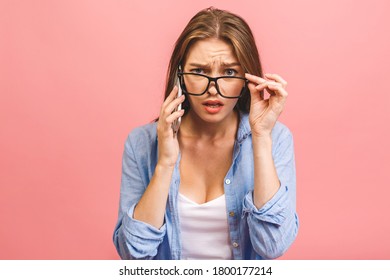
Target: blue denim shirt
[264,233]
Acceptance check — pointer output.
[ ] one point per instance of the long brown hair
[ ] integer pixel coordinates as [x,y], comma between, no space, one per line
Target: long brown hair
[220,24]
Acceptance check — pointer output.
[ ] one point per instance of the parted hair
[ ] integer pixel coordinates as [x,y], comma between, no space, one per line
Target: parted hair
[223,25]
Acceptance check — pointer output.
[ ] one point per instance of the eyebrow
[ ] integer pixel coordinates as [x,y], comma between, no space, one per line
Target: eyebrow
[224,64]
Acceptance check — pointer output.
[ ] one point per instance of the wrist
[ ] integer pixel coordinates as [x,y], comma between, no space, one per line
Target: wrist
[262,144]
[165,166]
[260,132]
[264,138]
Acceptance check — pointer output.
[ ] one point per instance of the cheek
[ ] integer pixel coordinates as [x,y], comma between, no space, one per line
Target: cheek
[231,103]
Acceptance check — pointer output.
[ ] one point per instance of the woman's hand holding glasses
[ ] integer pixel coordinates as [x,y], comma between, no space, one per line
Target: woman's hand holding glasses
[265,112]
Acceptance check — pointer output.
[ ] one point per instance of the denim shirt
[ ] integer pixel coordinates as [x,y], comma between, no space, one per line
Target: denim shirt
[264,233]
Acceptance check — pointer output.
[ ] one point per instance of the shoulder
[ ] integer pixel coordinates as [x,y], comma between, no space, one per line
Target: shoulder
[281,132]
[143,136]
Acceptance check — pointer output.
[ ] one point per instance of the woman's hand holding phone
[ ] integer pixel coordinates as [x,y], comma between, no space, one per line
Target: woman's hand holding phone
[171,112]
[176,123]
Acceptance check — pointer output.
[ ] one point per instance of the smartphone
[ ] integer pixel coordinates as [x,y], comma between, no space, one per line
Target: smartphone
[176,123]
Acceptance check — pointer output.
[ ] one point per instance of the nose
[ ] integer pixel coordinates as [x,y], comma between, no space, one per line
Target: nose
[212,90]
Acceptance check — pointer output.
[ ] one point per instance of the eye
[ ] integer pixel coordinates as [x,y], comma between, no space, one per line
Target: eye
[197,71]
[230,72]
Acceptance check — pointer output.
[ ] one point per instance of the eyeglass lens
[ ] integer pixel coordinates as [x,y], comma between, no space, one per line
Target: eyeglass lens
[228,86]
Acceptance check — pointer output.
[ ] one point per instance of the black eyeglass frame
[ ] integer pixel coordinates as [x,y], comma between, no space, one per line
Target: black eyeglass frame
[211,79]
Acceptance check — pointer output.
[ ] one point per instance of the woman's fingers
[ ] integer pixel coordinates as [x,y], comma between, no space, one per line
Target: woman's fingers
[275,86]
[173,105]
[255,93]
[277,78]
[278,89]
[168,114]
[168,146]
[174,116]
[171,96]
[255,86]
[171,102]
[272,78]
[255,79]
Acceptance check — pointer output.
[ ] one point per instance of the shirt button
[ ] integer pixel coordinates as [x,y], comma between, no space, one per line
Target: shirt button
[227,181]
[231,214]
[235,244]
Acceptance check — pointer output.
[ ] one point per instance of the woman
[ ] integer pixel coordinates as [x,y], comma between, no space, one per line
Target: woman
[224,186]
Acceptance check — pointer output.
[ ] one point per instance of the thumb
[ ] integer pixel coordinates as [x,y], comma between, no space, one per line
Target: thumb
[256,92]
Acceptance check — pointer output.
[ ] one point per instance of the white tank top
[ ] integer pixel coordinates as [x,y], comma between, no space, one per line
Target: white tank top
[204,229]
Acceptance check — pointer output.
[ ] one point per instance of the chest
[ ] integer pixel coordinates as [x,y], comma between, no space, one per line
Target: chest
[203,169]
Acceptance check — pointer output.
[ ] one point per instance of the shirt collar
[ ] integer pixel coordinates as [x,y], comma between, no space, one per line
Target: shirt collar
[244,129]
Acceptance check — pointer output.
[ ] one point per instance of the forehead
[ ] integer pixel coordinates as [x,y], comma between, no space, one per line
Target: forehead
[210,51]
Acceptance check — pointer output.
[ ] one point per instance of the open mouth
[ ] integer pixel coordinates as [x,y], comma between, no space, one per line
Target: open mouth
[213,104]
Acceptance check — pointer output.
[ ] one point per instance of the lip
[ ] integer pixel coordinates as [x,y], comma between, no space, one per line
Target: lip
[212,110]
[212,102]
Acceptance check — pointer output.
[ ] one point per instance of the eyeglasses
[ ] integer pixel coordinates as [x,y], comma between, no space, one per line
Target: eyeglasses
[198,84]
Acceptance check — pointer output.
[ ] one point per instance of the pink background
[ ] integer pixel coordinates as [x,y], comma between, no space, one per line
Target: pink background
[77,76]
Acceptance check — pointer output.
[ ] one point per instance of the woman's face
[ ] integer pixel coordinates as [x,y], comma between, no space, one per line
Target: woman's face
[214,58]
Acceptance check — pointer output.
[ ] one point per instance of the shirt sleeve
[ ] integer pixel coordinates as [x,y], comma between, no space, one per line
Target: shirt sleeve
[274,227]
[134,239]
